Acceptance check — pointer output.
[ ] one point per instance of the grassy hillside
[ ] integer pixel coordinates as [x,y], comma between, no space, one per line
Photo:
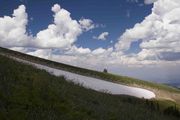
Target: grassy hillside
[87,72]
[27,93]
[161,91]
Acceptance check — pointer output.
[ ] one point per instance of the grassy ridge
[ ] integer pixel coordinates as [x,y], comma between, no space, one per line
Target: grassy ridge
[91,73]
[27,93]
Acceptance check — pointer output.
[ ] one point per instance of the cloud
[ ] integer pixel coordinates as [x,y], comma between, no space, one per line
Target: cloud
[20,49]
[74,50]
[13,29]
[43,53]
[86,24]
[102,36]
[56,8]
[159,31]
[98,51]
[62,33]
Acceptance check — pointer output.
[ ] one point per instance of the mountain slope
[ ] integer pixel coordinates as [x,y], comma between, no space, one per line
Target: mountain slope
[95,84]
[162,91]
[30,93]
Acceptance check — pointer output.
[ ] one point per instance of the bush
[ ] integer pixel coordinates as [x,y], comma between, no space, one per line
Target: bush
[105,71]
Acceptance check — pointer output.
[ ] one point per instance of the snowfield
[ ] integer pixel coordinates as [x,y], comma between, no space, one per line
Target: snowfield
[96,84]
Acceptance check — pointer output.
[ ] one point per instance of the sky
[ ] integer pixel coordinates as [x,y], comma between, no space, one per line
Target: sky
[136,38]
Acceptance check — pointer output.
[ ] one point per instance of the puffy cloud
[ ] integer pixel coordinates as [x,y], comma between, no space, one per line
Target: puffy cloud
[62,33]
[102,36]
[13,29]
[74,50]
[98,51]
[86,24]
[139,31]
[43,53]
[20,49]
[159,31]
[56,8]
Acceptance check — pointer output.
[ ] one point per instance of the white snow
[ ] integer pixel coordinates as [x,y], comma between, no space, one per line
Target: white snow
[96,84]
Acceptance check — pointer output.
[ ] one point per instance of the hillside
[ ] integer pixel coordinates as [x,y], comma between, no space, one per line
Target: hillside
[30,93]
[162,91]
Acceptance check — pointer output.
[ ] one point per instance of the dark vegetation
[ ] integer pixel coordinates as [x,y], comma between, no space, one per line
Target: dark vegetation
[27,93]
[172,111]
[100,75]
[105,71]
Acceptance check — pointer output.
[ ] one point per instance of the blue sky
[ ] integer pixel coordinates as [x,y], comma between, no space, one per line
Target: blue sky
[137,38]
[111,14]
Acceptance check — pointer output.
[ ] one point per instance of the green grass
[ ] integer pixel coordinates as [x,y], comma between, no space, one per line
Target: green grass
[101,75]
[163,92]
[27,93]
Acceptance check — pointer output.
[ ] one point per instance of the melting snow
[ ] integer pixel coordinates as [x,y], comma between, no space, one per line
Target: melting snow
[96,84]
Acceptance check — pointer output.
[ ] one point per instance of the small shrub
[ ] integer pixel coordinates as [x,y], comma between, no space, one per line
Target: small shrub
[105,71]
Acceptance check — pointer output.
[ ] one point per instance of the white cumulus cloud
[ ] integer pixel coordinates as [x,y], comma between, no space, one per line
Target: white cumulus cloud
[56,8]
[102,36]
[74,50]
[86,24]
[62,33]
[159,32]
[13,29]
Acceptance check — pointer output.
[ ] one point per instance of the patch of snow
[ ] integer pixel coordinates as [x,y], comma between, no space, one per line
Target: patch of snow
[96,84]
